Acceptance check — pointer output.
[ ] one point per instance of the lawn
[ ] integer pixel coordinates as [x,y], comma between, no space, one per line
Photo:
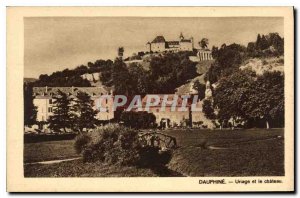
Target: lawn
[236,153]
[255,152]
[52,150]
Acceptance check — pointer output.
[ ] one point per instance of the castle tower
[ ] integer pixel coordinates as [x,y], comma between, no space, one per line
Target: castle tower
[181,37]
[149,46]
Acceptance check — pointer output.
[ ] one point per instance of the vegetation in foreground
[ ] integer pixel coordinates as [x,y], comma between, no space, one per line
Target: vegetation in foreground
[236,153]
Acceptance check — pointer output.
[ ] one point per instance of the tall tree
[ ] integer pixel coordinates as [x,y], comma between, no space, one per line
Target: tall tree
[200,88]
[62,115]
[85,113]
[232,93]
[121,78]
[208,109]
[258,42]
[30,110]
[203,43]
[266,99]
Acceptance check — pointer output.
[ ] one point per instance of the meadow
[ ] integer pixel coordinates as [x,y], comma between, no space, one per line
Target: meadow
[253,152]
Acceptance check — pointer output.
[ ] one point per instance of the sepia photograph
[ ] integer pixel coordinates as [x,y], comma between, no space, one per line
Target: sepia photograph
[158,96]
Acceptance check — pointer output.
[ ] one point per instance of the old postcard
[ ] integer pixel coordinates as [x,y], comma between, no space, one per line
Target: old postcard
[150,99]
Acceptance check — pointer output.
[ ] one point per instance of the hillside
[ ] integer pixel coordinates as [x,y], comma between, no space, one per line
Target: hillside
[264,64]
[202,68]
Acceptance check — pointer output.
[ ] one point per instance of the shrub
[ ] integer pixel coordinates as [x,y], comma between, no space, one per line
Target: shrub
[118,145]
[138,120]
[81,142]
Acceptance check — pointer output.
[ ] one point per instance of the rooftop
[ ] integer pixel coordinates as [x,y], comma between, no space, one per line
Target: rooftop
[43,92]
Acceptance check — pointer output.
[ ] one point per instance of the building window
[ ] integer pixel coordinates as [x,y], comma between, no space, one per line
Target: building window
[50,109]
[50,101]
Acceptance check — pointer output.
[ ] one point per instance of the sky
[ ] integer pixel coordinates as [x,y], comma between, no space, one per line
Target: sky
[56,43]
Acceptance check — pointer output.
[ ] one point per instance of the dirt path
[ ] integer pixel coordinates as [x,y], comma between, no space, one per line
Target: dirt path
[53,161]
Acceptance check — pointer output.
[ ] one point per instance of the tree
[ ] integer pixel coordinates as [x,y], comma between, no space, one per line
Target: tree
[85,114]
[214,52]
[138,120]
[266,99]
[208,109]
[120,78]
[232,94]
[227,61]
[258,42]
[120,52]
[62,115]
[200,88]
[264,43]
[30,110]
[203,43]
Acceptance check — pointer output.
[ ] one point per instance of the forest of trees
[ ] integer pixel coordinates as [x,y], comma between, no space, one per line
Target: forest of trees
[72,77]
[244,95]
[228,58]
[166,73]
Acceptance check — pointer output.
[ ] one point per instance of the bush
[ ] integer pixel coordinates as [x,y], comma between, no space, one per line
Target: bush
[81,141]
[118,145]
[138,120]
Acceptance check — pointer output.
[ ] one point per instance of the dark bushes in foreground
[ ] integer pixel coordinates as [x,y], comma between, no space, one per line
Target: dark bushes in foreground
[118,145]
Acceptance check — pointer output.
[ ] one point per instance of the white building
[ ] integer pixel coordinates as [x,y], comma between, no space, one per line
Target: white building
[204,54]
[44,100]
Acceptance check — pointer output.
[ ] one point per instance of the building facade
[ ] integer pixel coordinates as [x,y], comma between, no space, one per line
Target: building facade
[204,54]
[44,98]
[159,44]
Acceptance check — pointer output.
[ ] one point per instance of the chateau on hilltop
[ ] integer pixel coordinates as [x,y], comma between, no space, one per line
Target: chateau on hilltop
[159,44]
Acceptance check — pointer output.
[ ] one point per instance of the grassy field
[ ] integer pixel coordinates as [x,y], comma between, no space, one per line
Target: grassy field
[229,153]
[53,150]
[200,153]
[79,169]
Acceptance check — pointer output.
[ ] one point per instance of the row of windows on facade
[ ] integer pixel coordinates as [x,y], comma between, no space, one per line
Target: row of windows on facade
[75,94]
[51,101]
[50,110]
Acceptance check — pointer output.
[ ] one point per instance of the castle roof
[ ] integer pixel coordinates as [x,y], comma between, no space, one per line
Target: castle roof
[159,39]
[186,40]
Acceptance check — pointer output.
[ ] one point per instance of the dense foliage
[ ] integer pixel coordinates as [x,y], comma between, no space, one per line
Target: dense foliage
[138,120]
[70,113]
[229,58]
[62,117]
[117,145]
[246,96]
[166,72]
[72,77]
[85,114]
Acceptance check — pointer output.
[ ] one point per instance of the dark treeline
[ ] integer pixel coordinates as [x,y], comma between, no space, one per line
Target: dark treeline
[167,71]
[72,77]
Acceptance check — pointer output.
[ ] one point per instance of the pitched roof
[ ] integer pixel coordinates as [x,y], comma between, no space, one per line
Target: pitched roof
[186,40]
[40,92]
[159,39]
